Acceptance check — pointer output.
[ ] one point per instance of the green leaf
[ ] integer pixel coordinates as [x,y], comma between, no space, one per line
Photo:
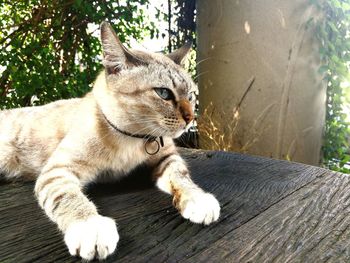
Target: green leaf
[323,69]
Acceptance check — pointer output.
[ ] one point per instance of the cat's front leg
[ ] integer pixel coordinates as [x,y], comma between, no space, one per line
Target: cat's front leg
[172,176]
[87,234]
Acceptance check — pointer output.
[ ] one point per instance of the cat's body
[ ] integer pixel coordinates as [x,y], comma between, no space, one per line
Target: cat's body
[128,115]
[30,136]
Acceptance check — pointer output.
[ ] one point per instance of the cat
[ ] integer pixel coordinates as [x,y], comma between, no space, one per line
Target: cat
[138,104]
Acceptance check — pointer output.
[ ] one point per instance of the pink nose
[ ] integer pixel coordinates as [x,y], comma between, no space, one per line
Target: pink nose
[186,111]
[188,117]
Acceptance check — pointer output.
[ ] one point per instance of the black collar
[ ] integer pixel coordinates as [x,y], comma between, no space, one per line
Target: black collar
[148,138]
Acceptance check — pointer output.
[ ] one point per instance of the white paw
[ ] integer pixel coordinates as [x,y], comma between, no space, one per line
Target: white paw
[201,208]
[95,237]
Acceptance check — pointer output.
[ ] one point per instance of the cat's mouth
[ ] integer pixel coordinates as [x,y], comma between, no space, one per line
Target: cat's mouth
[179,133]
[182,130]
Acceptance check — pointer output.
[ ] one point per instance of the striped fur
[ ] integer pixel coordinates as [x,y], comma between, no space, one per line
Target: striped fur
[67,144]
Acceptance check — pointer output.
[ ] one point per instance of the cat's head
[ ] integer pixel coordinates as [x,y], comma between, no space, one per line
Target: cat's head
[147,93]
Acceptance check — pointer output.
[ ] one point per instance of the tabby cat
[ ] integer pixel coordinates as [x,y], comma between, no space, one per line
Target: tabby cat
[138,104]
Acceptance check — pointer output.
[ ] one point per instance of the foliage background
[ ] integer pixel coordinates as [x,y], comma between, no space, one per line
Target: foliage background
[49,50]
[46,48]
[333,33]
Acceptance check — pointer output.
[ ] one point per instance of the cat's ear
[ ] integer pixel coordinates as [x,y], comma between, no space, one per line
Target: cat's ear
[179,55]
[115,56]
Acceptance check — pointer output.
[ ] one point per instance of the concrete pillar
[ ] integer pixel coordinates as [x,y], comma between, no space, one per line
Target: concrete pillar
[260,54]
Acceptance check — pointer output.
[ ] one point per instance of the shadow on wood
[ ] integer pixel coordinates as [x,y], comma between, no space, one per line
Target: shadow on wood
[272,211]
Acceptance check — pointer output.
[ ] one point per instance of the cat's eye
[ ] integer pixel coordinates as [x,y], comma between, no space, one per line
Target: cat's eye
[191,96]
[164,93]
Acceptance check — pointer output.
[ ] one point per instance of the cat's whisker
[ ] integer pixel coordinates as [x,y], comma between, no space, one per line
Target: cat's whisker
[134,123]
[145,139]
[156,130]
[200,74]
[205,59]
[140,130]
[182,141]
[129,122]
[145,118]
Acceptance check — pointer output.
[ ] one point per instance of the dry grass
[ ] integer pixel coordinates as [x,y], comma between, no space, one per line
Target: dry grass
[218,130]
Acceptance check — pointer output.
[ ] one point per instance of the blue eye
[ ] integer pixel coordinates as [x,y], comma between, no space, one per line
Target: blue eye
[164,93]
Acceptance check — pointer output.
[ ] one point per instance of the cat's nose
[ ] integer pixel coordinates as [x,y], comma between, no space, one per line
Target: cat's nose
[188,117]
[186,111]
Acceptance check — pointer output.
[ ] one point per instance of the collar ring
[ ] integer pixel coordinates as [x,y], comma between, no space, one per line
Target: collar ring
[149,142]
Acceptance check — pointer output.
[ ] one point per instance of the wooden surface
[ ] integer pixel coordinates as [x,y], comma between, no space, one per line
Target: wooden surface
[272,211]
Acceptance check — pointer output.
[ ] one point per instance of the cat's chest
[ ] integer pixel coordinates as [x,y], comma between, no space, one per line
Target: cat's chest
[126,157]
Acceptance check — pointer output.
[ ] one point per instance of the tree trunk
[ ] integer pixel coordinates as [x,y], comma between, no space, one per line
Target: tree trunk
[258,63]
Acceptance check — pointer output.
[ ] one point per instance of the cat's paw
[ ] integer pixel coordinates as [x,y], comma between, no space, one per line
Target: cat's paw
[200,207]
[97,237]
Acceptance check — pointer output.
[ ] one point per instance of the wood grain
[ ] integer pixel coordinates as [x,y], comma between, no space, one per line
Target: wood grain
[272,211]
